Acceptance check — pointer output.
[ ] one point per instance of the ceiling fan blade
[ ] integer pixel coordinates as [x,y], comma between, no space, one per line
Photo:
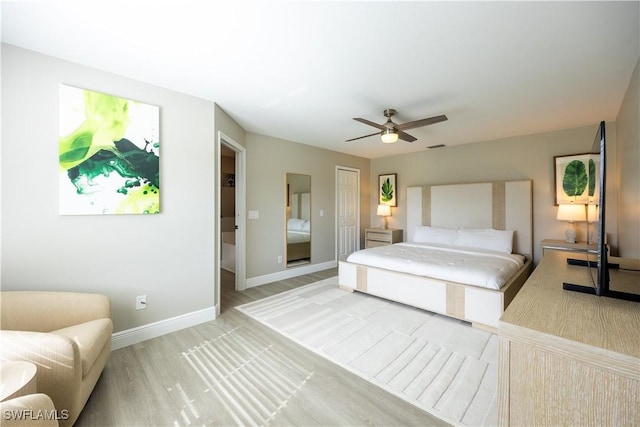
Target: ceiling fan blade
[405,136]
[423,122]
[360,137]
[370,123]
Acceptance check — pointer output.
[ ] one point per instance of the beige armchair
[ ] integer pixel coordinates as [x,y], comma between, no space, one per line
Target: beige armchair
[32,410]
[66,335]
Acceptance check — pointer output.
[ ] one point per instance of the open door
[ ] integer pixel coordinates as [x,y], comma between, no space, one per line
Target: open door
[230,236]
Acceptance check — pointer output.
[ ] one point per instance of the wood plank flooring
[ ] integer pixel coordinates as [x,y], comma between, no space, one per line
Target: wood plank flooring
[234,371]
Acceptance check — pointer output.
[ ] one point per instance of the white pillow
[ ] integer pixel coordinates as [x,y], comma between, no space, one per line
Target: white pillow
[295,224]
[487,238]
[427,234]
[306,226]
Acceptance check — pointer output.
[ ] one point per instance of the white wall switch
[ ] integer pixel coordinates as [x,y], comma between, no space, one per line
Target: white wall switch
[254,214]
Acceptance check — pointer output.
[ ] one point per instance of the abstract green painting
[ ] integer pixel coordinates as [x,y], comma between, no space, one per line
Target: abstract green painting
[109,154]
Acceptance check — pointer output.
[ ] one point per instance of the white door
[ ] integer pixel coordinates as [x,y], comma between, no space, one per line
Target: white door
[239,248]
[348,211]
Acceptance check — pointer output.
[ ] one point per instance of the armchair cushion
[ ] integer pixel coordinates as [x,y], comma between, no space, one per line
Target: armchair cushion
[91,337]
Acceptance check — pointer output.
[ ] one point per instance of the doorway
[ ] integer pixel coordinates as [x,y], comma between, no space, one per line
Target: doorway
[230,236]
[347,211]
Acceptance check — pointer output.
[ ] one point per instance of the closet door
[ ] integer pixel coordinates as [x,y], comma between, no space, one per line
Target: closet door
[348,200]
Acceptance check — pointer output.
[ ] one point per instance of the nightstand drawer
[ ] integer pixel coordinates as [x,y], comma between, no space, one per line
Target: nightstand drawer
[374,237]
[375,243]
[380,237]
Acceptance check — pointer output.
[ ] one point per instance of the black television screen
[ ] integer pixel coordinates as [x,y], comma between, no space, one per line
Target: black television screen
[602,275]
[599,176]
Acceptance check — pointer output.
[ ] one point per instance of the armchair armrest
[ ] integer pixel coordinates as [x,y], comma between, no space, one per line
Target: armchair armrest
[43,311]
[57,358]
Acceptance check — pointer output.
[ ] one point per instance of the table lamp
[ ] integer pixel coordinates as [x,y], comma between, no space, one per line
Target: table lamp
[384,211]
[571,214]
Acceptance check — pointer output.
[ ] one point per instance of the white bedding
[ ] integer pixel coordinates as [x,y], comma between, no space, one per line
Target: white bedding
[296,236]
[487,269]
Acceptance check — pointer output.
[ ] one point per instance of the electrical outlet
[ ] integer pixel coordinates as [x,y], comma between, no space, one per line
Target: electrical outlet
[279,259]
[141,302]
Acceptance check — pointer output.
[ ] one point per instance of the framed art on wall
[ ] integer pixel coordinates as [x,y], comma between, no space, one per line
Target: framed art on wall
[576,178]
[387,189]
[108,154]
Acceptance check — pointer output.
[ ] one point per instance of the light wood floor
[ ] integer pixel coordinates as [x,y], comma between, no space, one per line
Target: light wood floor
[235,371]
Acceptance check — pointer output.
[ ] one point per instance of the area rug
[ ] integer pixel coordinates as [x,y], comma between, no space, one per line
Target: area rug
[439,364]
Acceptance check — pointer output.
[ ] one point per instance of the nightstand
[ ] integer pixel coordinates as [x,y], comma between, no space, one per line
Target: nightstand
[381,237]
[561,245]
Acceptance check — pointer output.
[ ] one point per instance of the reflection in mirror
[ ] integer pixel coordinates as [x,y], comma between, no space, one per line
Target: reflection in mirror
[298,219]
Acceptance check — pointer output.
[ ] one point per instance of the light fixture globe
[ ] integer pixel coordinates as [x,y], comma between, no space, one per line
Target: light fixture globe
[389,136]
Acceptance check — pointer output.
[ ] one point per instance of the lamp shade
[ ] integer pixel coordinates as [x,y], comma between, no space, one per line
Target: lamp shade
[572,213]
[389,136]
[384,210]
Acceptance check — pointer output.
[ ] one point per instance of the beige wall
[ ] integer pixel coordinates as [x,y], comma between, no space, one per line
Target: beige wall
[168,256]
[268,160]
[523,157]
[628,174]
[224,123]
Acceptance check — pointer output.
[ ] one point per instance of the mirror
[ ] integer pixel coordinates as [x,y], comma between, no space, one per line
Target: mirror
[298,219]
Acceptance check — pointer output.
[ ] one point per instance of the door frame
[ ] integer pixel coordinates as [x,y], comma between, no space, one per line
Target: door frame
[357,171]
[241,201]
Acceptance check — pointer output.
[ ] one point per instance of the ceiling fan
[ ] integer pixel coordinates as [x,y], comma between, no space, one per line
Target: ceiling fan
[390,131]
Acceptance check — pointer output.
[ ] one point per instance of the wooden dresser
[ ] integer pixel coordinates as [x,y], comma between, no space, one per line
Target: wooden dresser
[568,358]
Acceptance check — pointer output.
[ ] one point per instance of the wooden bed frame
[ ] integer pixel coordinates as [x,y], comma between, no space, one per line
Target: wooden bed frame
[298,251]
[502,205]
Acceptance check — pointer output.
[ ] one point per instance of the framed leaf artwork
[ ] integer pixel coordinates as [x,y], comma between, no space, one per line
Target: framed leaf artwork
[108,154]
[576,178]
[387,189]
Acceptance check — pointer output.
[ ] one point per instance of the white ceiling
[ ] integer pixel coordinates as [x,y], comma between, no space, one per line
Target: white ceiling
[302,70]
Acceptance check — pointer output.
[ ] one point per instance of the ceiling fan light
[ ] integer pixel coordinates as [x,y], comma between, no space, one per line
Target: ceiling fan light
[389,136]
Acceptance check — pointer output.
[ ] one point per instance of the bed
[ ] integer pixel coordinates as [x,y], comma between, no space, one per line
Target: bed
[298,240]
[491,218]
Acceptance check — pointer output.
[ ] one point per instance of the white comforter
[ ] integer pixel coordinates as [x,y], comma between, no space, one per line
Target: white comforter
[476,267]
[296,236]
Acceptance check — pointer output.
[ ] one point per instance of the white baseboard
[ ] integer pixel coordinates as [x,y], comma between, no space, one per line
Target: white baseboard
[162,327]
[289,273]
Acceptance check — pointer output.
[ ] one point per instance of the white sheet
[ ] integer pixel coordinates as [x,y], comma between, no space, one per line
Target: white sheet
[482,268]
[294,236]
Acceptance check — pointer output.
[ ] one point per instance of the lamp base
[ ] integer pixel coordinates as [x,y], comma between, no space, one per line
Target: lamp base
[571,234]
[590,236]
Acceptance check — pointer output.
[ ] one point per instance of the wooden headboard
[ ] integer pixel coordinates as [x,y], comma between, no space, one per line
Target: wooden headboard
[502,205]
